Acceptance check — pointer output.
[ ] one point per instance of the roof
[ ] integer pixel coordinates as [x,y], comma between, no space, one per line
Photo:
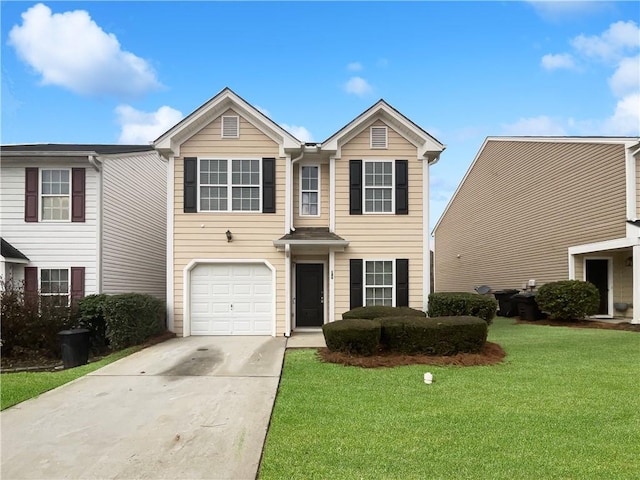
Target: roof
[9,251]
[311,236]
[99,149]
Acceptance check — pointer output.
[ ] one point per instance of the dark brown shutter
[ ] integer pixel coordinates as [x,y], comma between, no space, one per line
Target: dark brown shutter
[77,283]
[402,282]
[355,187]
[190,185]
[31,195]
[30,279]
[355,281]
[268,185]
[402,187]
[78,182]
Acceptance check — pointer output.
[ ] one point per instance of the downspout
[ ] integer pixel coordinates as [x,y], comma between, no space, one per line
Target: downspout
[291,226]
[96,164]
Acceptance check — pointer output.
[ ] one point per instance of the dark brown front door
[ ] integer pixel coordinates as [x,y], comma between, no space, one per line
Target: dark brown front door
[597,272]
[309,295]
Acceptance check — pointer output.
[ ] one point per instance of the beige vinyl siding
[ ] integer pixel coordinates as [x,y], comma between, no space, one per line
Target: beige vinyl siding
[308,221]
[638,187]
[202,235]
[134,224]
[522,205]
[379,236]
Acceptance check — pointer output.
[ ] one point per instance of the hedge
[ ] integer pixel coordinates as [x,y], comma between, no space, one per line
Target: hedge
[568,299]
[132,318]
[443,304]
[91,317]
[353,336]
[380,311]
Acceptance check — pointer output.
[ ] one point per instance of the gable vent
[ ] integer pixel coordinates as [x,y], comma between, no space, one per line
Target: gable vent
[230,127]
[378,137]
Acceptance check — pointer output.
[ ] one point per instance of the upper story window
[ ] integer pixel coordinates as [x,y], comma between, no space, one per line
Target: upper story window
[55,196]
[378,186]
[230,126]
[379,137]
[310,190]
[378,282]
[220,192]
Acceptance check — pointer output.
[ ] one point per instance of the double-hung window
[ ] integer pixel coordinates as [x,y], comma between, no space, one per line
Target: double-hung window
[378,186]
[54,283]
[309,190]
[55,196]
[378,282]
[239,191]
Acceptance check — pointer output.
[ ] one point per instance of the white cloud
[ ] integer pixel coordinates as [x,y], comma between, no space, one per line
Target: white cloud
[358,86]
[535,126]
[264,111]
[139,127]
[557,11]
[557,61]
[626,118]
[70,50]
[619,39]
[300,133]
[626,78]
[354,67]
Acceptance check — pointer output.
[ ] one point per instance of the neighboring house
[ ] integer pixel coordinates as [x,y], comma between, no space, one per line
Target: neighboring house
[83,219]
[268,234]
[548,209]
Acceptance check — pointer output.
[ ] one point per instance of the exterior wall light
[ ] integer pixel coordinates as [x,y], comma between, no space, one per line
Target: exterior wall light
[229,235]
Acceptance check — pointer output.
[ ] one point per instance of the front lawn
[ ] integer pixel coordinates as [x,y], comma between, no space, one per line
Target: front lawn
[564,404]
[18,387]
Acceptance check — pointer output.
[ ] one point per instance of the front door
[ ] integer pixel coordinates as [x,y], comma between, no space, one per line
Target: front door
[309,295]
[597,272]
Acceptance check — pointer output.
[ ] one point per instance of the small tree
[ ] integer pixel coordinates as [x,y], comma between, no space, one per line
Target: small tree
[568,299]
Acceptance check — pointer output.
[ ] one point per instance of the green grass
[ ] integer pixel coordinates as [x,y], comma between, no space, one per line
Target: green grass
[563,405]
[18,387]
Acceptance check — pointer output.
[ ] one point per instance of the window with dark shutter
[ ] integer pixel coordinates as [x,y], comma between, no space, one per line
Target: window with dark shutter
[355,187]
[355,282]
[268,185]
[190,185]
[402,282]
[78,182]
[77,283]
[402,187]
[31,196]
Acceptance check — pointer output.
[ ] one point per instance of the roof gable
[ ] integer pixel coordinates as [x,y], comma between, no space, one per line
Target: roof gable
[428,146]
[169,143]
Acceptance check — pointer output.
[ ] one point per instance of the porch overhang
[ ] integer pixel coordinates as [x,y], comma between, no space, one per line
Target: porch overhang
[11,254]
[311,237]
[603,246]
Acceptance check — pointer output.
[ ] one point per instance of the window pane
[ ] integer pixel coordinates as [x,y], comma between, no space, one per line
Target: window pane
[245,198]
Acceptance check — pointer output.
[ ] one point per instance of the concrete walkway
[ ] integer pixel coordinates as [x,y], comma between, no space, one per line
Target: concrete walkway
[188,408]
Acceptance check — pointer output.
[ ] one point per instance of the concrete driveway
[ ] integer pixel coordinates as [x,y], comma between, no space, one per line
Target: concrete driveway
[188,408]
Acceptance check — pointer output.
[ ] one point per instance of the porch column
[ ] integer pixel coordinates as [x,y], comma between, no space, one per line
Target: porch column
[572,267]
[636,284]
[332,300]
[287,290]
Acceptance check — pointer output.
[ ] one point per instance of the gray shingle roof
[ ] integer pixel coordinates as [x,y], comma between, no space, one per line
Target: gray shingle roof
[9,251]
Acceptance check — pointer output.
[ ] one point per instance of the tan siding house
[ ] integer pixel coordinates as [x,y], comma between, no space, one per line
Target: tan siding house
[546,209]
[269,235]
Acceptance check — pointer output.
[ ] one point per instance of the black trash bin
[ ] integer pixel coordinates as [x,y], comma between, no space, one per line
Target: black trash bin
[508,307]
[527,306]
[74,344]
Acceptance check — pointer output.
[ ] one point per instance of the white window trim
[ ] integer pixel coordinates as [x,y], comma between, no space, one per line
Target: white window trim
[230,186]
[40,195]
[393,279]
[393,186]
[237,135]
[300,189]
[68,295]
[386,137]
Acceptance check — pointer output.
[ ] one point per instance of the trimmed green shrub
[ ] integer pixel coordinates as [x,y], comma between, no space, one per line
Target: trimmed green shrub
[354,336]
[568,299]
[91,317]
[434,336]
[132,318]
[444,304]
[380,311]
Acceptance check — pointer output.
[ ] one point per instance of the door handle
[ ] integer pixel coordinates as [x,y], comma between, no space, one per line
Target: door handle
[322,297]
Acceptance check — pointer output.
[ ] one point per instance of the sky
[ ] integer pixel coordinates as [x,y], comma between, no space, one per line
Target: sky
[125,72]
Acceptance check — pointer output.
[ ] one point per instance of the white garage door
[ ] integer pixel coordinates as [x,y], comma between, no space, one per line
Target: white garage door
[231,299]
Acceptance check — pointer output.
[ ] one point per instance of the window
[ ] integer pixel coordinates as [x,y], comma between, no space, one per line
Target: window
[378,283]
[378,137]
[55,197]
[221,192]
[54,283]
[230,126]
[378,187]
[309,190]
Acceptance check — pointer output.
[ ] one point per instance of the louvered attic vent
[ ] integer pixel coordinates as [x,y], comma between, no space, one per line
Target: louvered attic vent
[230,127]
[378,137]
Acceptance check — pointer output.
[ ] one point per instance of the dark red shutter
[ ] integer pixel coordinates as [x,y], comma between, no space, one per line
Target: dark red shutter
[30,279]
[355,187]
[402,187]
[31,195]
[355,281]
[268,185]
[77,283]
[78,182]
[402,282]
[190,185]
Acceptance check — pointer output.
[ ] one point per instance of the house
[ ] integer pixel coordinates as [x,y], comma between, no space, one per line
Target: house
[83,219]
[547,209]
[268,234]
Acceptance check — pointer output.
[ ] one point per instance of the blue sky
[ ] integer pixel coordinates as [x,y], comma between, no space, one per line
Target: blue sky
[123,72]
